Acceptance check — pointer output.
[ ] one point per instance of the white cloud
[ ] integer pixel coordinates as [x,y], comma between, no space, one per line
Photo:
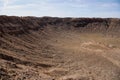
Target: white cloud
[7,4]
[40,8]
[78,5]
[55,7]
[110,5]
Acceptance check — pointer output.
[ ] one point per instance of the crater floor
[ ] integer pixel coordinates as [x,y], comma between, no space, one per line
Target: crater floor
[60,56]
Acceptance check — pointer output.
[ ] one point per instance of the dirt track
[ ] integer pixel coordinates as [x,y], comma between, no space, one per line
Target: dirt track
[59,54]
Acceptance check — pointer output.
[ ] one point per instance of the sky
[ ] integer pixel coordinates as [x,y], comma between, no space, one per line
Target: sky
[61,8]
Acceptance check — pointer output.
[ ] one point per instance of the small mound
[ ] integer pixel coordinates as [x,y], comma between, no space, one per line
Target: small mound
[94,46]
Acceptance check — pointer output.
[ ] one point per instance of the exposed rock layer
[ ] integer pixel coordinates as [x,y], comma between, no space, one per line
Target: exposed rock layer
[19,25]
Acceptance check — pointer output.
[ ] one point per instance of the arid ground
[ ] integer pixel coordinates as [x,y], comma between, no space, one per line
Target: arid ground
[48,48]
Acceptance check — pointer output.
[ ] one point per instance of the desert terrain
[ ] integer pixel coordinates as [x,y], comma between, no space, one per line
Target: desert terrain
[51,48]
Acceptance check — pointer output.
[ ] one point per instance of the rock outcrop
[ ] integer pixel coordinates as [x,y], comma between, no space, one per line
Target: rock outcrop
[19,25]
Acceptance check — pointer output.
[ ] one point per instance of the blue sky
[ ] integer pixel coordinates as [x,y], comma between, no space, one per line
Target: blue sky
[61,8]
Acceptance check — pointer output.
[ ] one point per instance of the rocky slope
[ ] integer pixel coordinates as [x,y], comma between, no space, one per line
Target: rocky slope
[51,48]
[19,25]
